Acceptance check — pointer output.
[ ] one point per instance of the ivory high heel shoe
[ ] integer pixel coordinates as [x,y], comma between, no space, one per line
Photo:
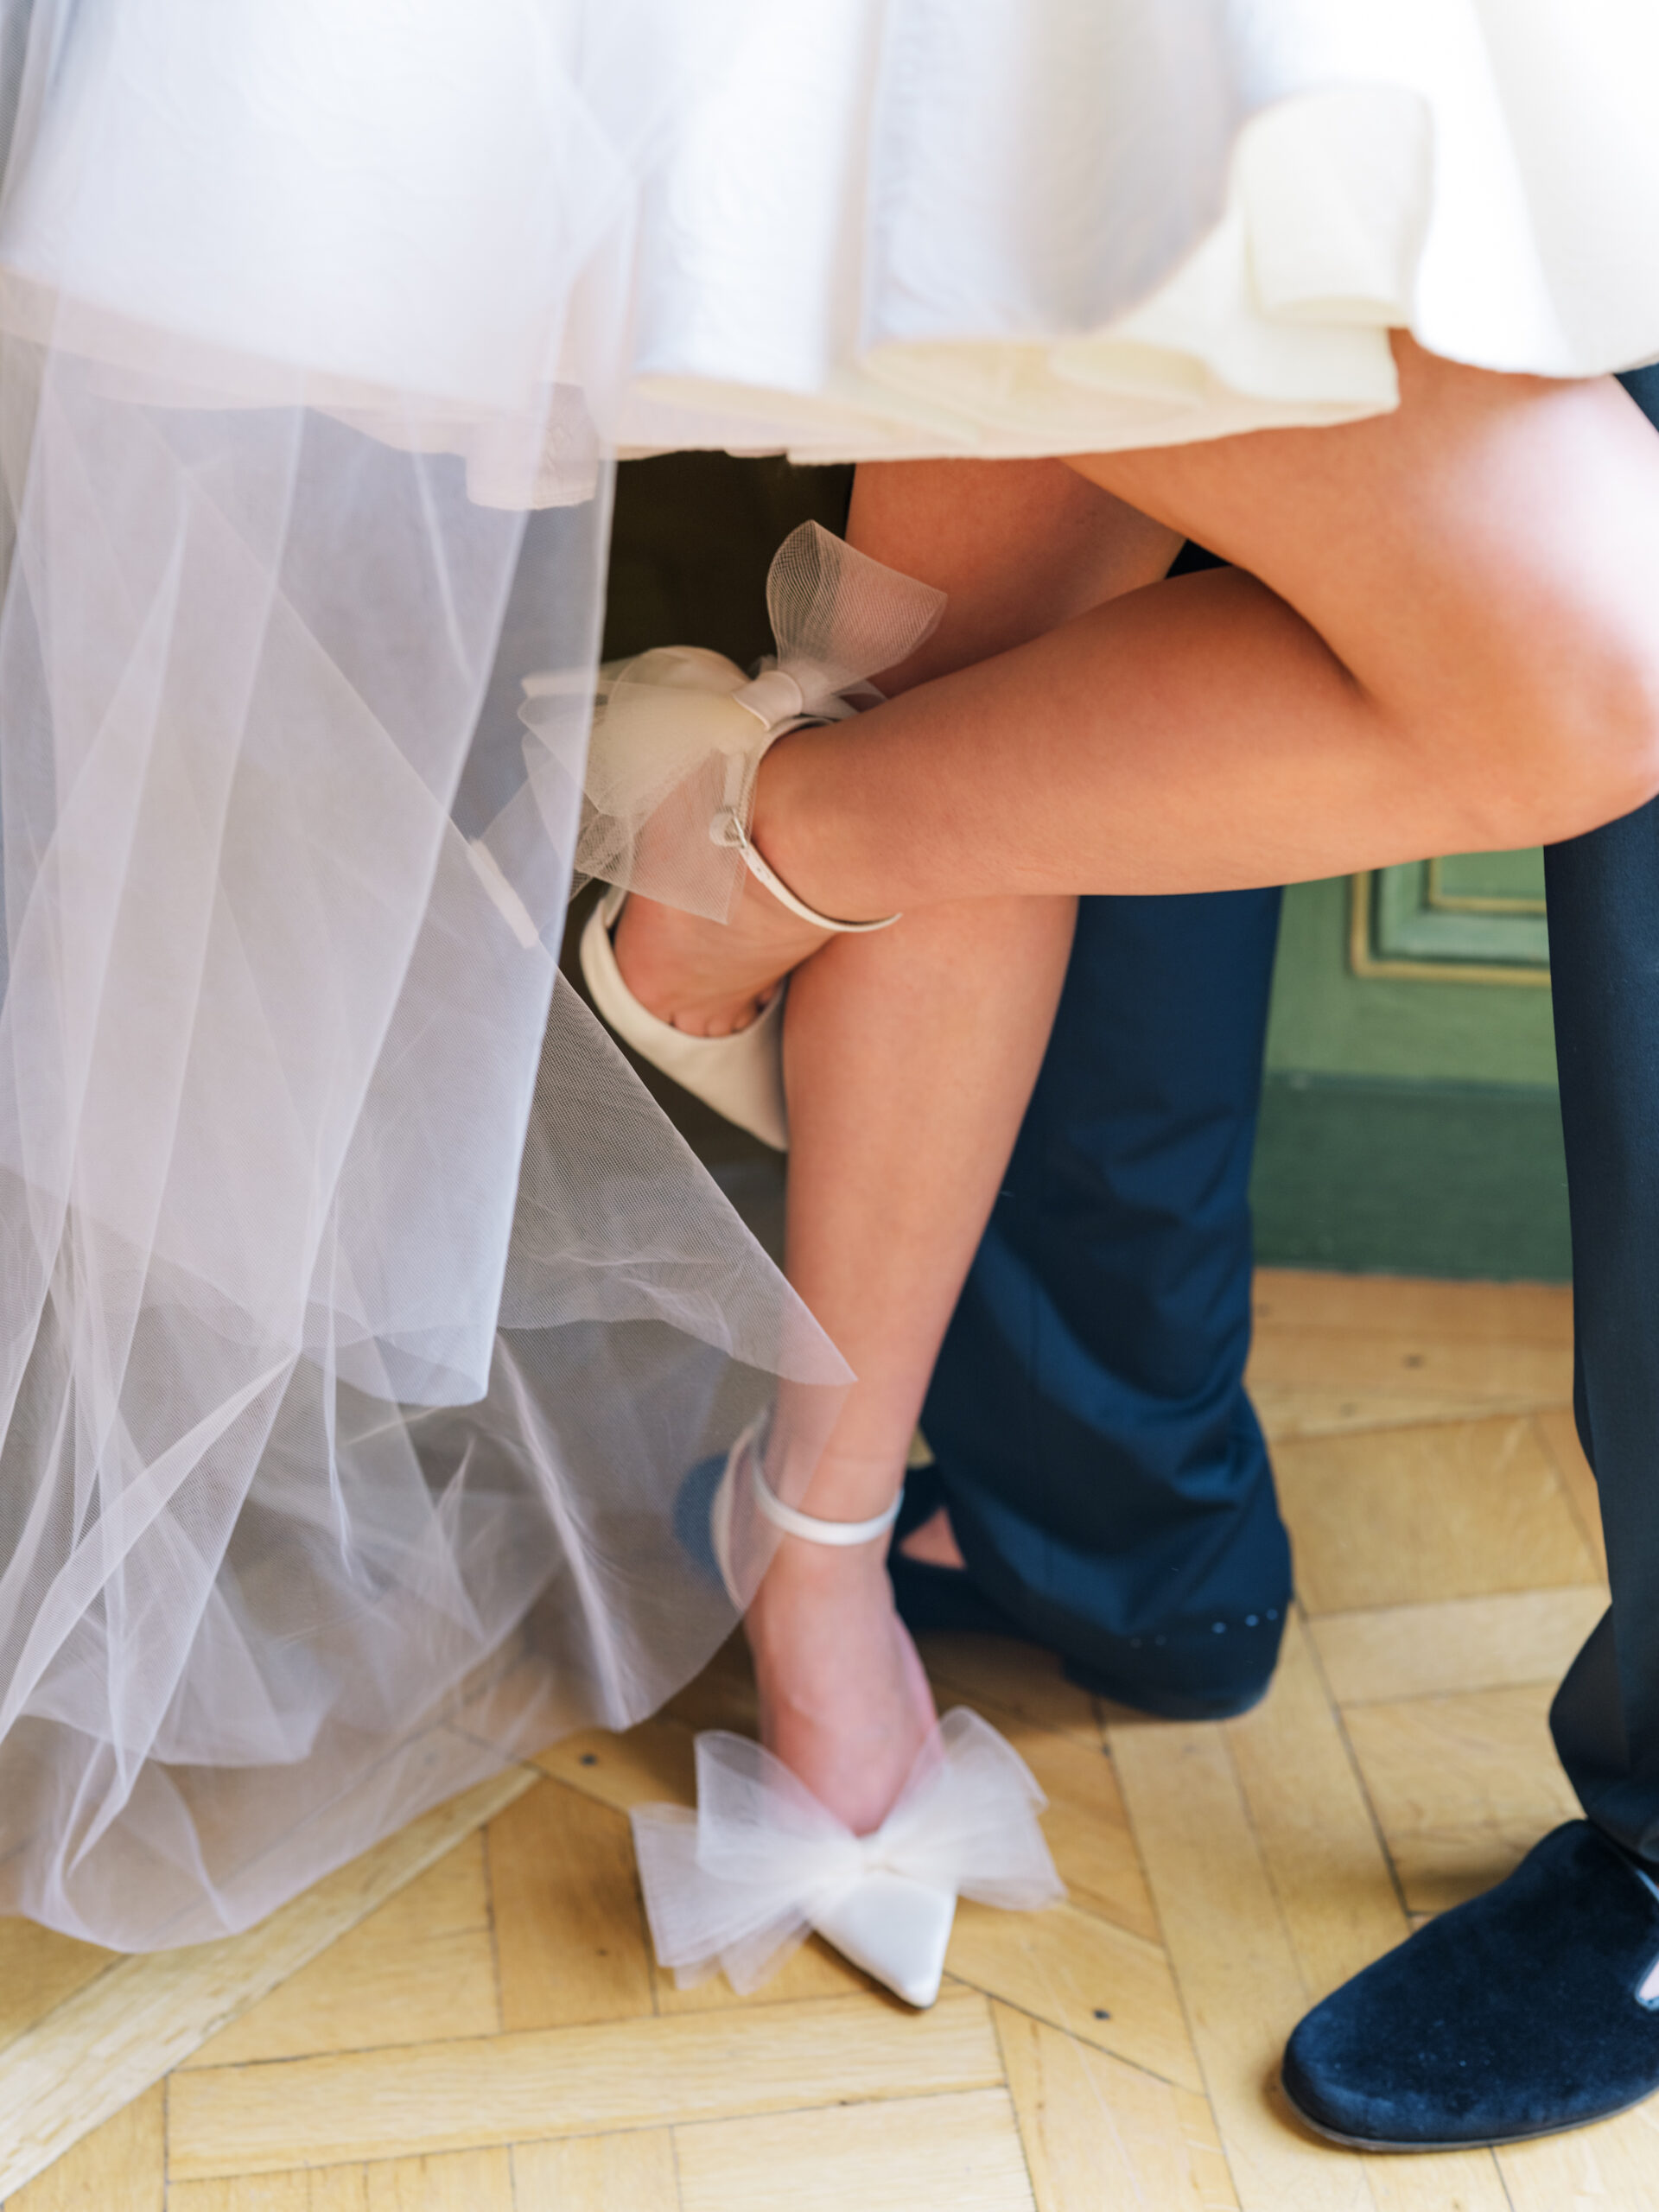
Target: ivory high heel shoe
[740,1883]
[741,1075]
[678,739]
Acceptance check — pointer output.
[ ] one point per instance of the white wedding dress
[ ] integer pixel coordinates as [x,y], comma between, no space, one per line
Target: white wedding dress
[362,1315]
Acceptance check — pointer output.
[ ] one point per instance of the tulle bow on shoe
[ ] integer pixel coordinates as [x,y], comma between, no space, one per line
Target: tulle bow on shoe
[739,1883]
[680,732]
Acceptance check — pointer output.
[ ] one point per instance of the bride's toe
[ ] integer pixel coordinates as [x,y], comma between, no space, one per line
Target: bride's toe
[690,973]
[739,1075]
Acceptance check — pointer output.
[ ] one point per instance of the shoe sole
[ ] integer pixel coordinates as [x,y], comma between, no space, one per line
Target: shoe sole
[1463,2143]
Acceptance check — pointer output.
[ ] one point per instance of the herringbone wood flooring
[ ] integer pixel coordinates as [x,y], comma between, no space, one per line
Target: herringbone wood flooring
[470,2019]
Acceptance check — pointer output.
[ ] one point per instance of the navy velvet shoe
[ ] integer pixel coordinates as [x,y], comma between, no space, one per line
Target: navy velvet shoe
[1186,1673]
[1530,2009]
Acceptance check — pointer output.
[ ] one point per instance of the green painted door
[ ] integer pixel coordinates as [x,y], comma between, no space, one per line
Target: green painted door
[1409,1119]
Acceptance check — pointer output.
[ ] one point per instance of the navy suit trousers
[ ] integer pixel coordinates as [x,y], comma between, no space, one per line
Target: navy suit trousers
[1106,1474]
[1604,943]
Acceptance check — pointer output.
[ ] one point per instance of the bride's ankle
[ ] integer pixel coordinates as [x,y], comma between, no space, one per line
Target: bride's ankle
[800,1571]
[810,1592]
[783,832]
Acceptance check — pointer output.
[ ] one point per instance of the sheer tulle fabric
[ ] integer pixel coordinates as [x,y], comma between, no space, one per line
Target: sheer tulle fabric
[361,1316]
[679,732]
[737,1886]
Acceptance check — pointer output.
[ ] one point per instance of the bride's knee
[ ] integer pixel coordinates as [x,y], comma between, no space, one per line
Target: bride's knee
[1570,740]
[1628,732]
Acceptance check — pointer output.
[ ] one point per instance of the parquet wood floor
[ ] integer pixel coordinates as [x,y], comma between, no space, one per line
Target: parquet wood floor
[469,2019]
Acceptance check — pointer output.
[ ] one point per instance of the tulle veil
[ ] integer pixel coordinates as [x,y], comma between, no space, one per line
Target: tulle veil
[362,1316]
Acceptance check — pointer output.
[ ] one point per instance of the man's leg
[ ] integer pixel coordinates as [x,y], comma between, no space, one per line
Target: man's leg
[1604,908]
[1604,927]
[1536,2006]
[1106,1477]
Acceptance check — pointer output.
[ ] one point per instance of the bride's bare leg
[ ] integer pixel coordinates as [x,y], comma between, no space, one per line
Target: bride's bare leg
[1441,636]
[1020,548]
[1451,646]
[910,1057]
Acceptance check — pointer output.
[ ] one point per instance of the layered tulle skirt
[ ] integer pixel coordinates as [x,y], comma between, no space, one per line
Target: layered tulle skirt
[362,1318]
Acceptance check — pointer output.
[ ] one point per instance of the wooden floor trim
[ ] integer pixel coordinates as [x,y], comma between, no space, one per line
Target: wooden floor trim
[145,2014]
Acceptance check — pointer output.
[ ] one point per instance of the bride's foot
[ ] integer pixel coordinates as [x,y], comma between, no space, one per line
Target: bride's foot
[711,979]
[844,1702]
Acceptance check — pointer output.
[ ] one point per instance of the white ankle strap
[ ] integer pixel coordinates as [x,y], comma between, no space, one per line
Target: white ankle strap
[727,828]
[808,1525]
